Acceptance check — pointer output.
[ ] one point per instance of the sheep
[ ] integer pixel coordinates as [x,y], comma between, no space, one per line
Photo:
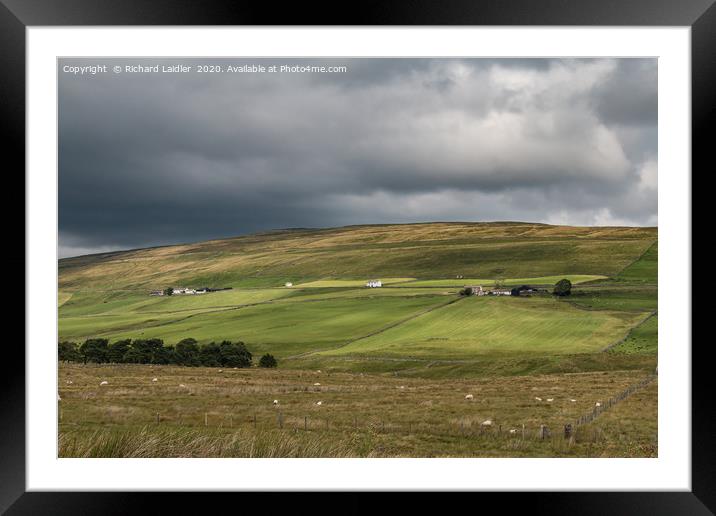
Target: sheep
[319,403]
[221,370]
[317,384]
[538,399]
[550,399]
[402,386]
[487,422]
[155,380]
[275,402]
[597,404]
[69,382]
[513,430]
[572,400]
[469,397]
[104,382]
[318,371]
[182,386]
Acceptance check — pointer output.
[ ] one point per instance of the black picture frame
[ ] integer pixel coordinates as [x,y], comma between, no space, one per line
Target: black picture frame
[17,15]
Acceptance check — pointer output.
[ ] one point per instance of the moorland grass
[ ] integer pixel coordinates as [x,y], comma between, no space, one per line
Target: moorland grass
[193,412]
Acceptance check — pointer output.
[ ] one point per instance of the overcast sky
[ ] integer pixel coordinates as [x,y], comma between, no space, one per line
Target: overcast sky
[157,158]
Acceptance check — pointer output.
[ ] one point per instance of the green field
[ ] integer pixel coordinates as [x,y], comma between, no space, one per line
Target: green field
[417,327]
[509,282]
[476,326]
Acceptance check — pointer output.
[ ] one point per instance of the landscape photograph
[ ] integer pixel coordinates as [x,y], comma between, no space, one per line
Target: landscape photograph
[357,257]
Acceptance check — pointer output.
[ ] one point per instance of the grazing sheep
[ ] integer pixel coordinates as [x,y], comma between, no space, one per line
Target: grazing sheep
[69,382]
[104,382]
[402,386]
[317,384]
[155,380]
[221,370]
[469,397]
[319,403]
[597,404]
[275,402]
[572,400]
[550,399]
[318,371]
[538,399]
[487,422]
[181,385]
[513,430]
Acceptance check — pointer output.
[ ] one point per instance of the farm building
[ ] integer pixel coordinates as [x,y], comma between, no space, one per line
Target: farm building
[475,290]
[374,284]
[156,293]
[500,292]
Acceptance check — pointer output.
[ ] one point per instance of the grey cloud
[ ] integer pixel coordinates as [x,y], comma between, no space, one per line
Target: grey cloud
[151,159]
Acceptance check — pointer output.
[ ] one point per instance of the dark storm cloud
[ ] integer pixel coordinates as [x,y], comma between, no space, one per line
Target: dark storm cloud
[155,158]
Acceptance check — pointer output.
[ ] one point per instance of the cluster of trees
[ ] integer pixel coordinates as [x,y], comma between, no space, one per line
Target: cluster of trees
[187,352]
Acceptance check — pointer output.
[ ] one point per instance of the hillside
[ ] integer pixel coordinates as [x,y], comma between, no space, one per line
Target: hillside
[421,251]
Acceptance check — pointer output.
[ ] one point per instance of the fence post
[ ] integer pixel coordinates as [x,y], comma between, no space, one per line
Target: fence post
[544,431]
[305,422]
[523,431]
[567,430]
[280,420]
[206,419]
[157,417]
[254,420]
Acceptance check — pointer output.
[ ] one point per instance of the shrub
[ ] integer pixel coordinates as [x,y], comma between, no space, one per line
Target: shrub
[117,351]
[186,352]
[234,354]
[210,355]
[67,352]
[268,360]
[562,288]
[94,350]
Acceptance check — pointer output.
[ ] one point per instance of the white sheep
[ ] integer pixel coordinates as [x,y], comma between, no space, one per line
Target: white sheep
[487,422]
[538,399]
[104,382]
[275,402]
[182,386]
[155,380]
[221,370]
[318,371]
[513,430]
[319,403]
[402,386]
[597,404]
[572,400]
[469,397]
[550,399]
[317,384]
[69,382]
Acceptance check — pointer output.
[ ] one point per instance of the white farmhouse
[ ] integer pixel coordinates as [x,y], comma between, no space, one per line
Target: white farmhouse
[374,284]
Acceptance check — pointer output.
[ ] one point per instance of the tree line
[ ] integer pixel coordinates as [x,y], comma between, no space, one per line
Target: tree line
[187,352]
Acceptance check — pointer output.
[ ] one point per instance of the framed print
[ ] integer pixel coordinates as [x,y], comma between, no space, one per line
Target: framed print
[418,250]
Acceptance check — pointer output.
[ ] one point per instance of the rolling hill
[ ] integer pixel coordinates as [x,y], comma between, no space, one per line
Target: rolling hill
[421,251]
[328,315]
